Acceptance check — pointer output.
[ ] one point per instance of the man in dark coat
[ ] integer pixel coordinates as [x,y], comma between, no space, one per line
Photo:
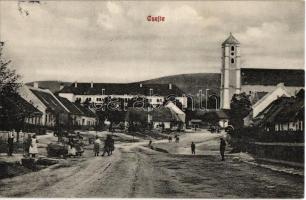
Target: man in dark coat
[193,148]
[222,148]
[10,142]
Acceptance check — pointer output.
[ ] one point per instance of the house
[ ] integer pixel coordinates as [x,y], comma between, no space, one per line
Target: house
[214,117]
[156,94]
[283,114]
[166,118]
[88,118]
[54,113]
[17,113]
[79,116]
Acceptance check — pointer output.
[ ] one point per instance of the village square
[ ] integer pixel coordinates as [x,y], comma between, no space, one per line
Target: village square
[237,132]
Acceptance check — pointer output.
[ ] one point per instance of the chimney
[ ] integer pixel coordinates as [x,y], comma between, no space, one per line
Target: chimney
[61,86]
[75,84]
[91,84]
[35,84]
[140,85]
[170,86]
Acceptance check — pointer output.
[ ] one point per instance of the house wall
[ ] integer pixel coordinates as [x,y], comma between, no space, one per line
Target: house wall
[26,94]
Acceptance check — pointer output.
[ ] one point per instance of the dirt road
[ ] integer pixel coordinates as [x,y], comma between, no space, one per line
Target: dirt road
[137,171]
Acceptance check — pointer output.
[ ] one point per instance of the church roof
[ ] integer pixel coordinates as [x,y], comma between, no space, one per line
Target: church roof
[231,40]
[290,77]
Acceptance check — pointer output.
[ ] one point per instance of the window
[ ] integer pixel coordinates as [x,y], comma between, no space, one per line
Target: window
[232,53]
[233,48]
[232,60]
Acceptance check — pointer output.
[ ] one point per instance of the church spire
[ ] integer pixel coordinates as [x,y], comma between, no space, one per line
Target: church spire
[231,40]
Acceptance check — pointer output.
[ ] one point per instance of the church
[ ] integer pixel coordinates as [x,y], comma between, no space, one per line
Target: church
[256,82]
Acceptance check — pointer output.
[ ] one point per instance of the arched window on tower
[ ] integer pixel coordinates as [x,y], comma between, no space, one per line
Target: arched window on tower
[233,48]
[232,60]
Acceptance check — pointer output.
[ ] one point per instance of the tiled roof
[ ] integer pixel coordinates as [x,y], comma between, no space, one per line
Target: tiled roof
[121,89]
[164,114]
[49,101]
[20,105]
[73,109]
[257,76]
[292,112]
[86,111]
[269,114]
[231,40]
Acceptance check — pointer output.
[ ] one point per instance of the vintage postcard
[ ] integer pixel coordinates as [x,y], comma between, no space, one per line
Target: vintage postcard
[152,99]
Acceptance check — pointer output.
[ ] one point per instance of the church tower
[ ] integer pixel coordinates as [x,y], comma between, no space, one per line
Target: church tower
[230,72]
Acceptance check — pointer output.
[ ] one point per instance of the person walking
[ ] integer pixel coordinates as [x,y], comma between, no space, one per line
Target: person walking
[192,148]
[33,150]
[222,148]
[97,145]
[10,142]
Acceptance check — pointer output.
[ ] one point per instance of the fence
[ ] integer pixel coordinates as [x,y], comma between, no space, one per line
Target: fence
[284,145]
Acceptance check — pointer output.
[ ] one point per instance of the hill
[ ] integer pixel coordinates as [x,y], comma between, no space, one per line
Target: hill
[189,83]
[192,83]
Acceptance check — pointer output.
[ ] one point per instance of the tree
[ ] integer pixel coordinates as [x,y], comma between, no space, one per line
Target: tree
[11,112]
[240,107]
[8,77]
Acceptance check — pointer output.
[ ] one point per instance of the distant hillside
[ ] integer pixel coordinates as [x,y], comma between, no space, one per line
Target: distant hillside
[192,83]
[189,83]
[53,86]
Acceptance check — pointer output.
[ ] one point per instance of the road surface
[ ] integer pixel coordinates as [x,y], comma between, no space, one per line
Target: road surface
[135,170]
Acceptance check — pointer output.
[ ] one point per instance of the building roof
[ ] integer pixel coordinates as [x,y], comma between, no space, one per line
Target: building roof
[86,111]
[292,112]
[256,76]
[270,113]
[49,100]
[122,89]
[19,105]
[73,109]
[164,114]
[231,40]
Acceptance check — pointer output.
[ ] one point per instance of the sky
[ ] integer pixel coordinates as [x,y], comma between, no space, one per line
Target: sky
[114,42]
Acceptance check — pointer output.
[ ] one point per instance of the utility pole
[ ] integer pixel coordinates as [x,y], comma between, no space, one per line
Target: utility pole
[206,96]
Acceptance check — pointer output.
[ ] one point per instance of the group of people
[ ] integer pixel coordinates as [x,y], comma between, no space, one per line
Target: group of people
[109,146]
[75,145]
[29,144]
[222,148]
[177,139]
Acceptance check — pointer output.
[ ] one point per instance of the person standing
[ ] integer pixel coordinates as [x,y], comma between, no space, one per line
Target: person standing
[107,145]
[10,142]
[97,145]
[33,147]
[27,145]
[192,148]
[222,148]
